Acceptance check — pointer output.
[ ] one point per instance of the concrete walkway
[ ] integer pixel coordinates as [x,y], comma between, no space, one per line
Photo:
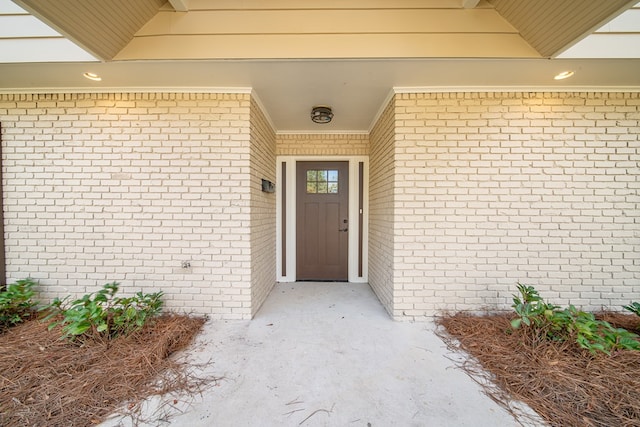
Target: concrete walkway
[327,354]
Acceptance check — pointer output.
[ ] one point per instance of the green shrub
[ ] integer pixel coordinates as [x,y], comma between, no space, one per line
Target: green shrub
[102,314]
[16,304]
[530,307]
[596,335]
[570,323]
[634,307]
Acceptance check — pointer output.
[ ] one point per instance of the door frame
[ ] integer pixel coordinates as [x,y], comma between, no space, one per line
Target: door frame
[286,213]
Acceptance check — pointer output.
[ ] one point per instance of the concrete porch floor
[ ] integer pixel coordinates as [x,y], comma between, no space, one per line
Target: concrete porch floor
[327,354]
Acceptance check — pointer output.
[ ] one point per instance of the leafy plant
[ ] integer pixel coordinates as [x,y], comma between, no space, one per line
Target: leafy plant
[597,335]
[530,307]
[569,324]
[102,314]
[16,304]
[634,307]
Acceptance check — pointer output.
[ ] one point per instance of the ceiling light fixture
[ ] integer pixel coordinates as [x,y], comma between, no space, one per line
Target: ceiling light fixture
[564,75]
[321,114]
[92,76]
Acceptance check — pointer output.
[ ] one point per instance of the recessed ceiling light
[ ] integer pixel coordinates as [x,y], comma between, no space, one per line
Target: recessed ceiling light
[92,76]
[564,75]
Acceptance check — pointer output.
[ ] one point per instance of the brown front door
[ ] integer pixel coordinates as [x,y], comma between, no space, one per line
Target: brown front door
[322,220]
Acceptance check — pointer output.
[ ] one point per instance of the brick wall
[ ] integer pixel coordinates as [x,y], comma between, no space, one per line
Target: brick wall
[381,207]
[263,208]
[469,194]
[322,145]
[496,188]
[126,187]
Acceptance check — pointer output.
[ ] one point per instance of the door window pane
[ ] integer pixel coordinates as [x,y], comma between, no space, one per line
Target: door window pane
[312,187]
[322,182]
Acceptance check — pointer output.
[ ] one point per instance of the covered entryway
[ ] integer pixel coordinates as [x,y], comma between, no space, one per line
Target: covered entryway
[321,218]
[334,358]
[322,221]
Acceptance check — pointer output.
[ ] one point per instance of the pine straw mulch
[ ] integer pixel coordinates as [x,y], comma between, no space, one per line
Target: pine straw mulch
[48,381]
[563,384]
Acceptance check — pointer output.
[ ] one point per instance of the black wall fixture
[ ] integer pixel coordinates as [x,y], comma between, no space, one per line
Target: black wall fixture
[268,186]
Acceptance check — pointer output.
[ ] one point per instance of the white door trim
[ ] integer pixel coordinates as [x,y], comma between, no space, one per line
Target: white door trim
[290,214]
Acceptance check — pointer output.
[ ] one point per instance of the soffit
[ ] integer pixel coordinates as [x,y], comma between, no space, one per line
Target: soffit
[285,29]
[101,27]
[355,87]
[551,26]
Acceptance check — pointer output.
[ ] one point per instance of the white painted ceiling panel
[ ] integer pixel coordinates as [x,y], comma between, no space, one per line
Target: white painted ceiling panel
[628,22]
[605,46]
[24,38]
[9,7]
[619,38]
[21,26]
[41,50]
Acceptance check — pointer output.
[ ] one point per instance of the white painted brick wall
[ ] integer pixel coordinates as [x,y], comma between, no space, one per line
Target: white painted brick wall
[125,187]
[322,145]
[469,194]
[492,189]
[381,207]
[263,208]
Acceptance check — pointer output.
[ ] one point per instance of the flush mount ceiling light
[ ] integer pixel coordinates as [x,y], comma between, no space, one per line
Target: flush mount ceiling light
[321,114]
[92,76]
[564,75]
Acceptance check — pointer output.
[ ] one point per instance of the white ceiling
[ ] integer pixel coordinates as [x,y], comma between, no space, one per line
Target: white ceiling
[287,89]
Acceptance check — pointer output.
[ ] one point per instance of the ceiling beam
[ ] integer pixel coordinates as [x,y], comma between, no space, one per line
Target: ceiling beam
[469,4]
[180,5]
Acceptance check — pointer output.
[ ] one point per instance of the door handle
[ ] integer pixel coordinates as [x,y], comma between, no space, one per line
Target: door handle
[343,229]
